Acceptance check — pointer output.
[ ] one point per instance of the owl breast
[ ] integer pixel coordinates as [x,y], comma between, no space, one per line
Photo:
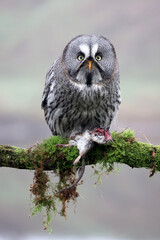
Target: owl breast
[73,109]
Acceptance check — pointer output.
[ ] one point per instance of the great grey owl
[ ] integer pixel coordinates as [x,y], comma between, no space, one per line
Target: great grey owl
[82,88]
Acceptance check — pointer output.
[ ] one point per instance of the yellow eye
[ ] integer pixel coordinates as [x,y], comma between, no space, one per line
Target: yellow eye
[80,57]
[98,58]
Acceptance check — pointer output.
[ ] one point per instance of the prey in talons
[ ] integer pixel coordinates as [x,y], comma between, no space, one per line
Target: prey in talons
[84,143]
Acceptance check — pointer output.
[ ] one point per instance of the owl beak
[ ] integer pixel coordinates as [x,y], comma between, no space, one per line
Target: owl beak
[89,65]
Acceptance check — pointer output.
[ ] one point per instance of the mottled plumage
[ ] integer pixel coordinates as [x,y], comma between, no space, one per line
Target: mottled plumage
[82,89]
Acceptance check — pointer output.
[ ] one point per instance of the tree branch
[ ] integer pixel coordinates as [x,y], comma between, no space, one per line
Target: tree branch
[124,149]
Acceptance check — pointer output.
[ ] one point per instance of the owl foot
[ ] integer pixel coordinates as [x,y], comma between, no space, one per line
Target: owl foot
[103,132]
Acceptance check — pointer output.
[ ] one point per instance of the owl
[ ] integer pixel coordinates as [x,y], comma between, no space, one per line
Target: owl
[82,88]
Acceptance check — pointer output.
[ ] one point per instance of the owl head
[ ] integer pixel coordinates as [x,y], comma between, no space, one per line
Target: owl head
[89,60]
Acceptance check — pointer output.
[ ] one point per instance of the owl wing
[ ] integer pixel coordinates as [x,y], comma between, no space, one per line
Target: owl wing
[49,80]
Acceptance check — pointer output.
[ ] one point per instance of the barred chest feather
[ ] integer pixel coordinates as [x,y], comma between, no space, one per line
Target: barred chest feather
[74,109]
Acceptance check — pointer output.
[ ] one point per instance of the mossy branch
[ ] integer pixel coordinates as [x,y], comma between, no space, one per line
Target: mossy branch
[46,156]
[124,149]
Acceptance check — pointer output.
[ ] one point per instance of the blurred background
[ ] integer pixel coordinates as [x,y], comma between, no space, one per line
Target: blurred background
[32,35]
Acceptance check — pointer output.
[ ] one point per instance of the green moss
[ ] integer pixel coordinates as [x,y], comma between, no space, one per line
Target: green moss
[124,149]
[55,157]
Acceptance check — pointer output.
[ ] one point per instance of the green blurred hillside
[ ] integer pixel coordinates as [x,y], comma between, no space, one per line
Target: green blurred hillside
[34,33]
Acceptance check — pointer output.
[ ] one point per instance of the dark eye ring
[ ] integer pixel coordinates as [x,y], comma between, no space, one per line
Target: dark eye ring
[98,57]
[80,57]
